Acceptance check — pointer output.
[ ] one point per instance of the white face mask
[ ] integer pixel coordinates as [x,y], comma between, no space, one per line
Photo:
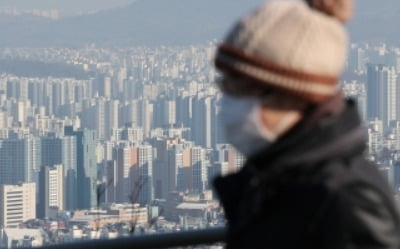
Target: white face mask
[243,125]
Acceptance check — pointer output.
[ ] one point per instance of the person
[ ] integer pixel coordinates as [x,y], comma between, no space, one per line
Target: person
[340,9]
[306,183]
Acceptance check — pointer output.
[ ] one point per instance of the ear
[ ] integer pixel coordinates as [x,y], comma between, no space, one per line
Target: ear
[325,6]
[341,9]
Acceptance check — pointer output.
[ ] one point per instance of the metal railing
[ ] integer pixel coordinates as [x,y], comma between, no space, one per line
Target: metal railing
[164,240]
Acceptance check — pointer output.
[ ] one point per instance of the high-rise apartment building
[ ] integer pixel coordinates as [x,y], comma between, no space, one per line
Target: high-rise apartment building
[129,113]
[132,133]
[51,150]
[19,160]
[51,190]
[165,112]
[145,116]
[170,158]
[184,110]
[17,204]
[62,150]
[383,94]
[199,169]
[202,121]
[217,131]
[3,120]
[126,159]
[105,87]
[111,119]
[361,60]
[86,141]
[143,177]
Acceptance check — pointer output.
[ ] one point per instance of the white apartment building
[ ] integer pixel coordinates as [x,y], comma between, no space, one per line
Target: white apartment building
[56,187]
[17,204]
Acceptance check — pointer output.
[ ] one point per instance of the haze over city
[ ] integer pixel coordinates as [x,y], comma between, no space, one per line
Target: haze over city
[158,22]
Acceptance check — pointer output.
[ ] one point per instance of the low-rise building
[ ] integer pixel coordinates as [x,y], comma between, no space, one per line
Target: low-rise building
[17,204]
[16,237]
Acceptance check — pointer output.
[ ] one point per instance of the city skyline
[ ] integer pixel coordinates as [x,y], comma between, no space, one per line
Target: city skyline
[120,133]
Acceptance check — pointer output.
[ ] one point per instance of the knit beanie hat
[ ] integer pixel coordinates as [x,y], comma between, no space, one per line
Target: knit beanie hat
[287,46]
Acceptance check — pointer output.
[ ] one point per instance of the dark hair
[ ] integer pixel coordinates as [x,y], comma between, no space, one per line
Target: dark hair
[309,2]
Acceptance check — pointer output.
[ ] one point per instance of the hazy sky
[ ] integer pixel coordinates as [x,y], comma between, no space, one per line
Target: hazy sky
[157,21]
[68,7]
[65,6]
[74,6]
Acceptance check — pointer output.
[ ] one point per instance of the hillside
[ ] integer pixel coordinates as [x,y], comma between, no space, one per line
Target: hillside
[174,22]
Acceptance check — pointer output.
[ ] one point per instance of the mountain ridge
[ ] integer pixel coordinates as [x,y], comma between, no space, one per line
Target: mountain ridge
[174,22]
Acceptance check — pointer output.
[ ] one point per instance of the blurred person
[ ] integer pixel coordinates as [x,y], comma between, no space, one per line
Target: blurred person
[306,183]
[340,9]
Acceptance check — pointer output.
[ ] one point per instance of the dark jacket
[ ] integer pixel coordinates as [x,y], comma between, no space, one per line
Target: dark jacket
[311,189]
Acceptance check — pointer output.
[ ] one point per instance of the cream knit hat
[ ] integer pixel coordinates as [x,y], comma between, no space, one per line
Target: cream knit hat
[287,46]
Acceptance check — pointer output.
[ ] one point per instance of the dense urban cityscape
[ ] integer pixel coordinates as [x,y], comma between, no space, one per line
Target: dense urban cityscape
[116,142]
